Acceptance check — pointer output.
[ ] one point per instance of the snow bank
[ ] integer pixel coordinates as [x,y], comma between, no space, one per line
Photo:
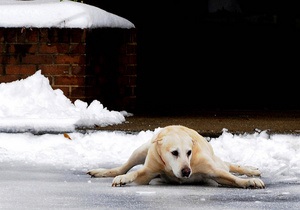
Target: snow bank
[32,105]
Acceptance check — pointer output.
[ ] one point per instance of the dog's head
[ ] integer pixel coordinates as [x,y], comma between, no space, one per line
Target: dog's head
[175,147]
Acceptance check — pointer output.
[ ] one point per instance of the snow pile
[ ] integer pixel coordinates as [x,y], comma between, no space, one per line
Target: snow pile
[32,105]
[276,155]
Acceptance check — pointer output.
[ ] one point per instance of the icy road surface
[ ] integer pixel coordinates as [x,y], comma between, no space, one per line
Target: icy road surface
[27,186]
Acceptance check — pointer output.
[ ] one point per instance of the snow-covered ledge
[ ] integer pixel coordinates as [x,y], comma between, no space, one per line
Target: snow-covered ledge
[57,14]
[86,52]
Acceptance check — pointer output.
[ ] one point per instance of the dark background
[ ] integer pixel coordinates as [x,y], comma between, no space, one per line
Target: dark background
[234,55]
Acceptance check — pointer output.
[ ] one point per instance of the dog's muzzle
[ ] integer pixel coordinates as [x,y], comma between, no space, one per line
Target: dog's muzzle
[185,172]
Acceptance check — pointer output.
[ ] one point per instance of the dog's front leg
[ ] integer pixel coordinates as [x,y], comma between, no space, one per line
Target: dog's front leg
[225,178]
[141,177]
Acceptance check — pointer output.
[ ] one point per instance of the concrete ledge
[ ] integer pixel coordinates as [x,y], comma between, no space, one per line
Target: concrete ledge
[212,123]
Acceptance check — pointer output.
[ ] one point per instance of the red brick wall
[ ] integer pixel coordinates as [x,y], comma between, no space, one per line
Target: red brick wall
[85,64]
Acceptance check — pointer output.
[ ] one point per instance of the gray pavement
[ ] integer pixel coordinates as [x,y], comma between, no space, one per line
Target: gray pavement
[25,186]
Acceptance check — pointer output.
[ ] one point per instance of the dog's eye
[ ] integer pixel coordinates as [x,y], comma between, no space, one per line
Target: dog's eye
[175,153]
[189,153]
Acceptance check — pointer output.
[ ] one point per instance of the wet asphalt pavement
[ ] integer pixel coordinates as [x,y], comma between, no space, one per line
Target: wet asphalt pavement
[37,187]
[211,123]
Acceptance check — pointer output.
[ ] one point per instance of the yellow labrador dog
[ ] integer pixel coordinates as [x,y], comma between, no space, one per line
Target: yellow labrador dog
[179,154]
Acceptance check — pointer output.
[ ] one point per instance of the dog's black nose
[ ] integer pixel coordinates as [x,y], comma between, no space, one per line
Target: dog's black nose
[186,172]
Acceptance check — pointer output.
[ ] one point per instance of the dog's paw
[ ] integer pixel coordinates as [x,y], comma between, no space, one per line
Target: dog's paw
[252,171]
[121,180]
[254,183]
[100,172]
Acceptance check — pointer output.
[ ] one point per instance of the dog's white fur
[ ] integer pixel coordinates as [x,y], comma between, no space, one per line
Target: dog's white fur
[180,155]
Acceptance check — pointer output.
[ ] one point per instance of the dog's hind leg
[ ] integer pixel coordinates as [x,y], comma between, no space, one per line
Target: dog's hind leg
[137,157]
[243,170]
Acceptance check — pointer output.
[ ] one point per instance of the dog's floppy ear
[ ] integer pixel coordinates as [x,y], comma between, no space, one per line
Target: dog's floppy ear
[158,141]
[193,134]
[157,138]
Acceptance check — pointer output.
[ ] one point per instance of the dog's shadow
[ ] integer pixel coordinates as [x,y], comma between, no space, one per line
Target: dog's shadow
[160,182]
